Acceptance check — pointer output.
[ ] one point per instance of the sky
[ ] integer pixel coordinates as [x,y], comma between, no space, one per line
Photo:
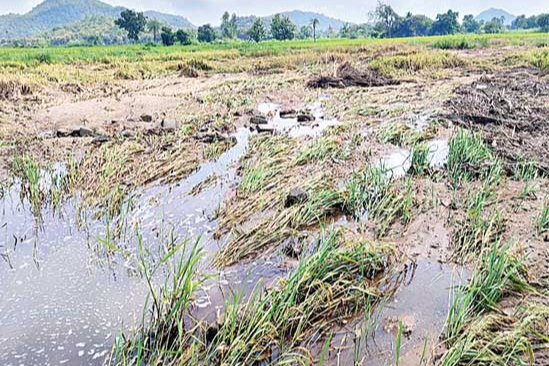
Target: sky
[210,11]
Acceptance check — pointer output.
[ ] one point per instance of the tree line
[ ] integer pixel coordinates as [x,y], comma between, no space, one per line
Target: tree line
[385,22]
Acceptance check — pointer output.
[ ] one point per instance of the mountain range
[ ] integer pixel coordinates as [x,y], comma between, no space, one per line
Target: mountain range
[492,13]
[54,13]
[75,20]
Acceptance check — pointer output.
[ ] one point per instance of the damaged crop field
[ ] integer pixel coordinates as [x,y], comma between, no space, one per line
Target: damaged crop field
[344,202]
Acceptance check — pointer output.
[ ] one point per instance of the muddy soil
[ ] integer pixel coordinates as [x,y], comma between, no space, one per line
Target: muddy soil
[176,183]
[511,109]
[348,76]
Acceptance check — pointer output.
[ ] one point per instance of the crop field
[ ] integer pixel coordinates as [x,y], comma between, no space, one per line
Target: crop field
[340,202]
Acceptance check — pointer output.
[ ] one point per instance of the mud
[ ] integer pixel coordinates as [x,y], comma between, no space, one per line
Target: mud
[348,76]
[512,110]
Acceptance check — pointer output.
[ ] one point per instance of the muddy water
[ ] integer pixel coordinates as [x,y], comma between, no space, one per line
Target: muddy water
[292,127]
[62,302]
[421,304]
[57,307]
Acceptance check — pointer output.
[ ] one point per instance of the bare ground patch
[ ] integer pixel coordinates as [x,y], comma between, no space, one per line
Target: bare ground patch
[511,109]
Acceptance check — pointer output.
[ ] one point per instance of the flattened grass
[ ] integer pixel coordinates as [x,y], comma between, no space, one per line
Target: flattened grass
[277,326]
[469,158]
[372,192]
[477,332]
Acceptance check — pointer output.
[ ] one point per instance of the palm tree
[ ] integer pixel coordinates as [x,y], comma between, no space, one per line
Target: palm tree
[315,22]
[154,26]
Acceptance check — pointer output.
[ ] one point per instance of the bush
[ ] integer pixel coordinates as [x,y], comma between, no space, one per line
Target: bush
[168,37]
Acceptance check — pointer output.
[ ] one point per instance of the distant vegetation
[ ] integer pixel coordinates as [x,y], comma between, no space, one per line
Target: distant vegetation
[91,22]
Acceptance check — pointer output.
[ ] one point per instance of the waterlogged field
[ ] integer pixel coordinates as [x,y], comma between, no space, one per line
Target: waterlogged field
[345,202]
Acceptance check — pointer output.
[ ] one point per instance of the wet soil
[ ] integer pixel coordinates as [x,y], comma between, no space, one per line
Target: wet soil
[65,298]
[348,76]
[511,108]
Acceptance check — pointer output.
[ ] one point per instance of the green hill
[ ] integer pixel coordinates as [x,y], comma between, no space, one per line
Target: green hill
[55,13]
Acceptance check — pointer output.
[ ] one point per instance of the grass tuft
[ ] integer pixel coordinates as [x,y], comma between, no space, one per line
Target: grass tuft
[469,158]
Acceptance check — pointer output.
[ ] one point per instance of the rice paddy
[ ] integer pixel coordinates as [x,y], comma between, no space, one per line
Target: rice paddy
[363,202]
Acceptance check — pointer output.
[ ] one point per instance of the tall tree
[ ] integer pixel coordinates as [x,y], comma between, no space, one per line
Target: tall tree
[543,22]
[133,22]
[446,23]
[257,31]
[229,26]
[168,37]
[154,26]
[206,33]
[315,22]
[414,25]
[470,24]
[386,19]
[184,37]
[282,28]
[305,32]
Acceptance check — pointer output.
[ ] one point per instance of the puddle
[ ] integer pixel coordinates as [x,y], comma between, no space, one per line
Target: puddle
[63,303]
[423,318]
[292,127]
[438,153]
[267,108]
[396,163]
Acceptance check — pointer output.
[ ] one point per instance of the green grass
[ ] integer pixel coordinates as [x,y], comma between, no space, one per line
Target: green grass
[420,159]
[400,134]
[478,229]
[40,183]
[165,324]
[270,158]
[372,192]
[328,287]
[469,159]
[497,273]
[454,44]
[323,201]
[320,149]
[542,221]
[526,172]
[477,332]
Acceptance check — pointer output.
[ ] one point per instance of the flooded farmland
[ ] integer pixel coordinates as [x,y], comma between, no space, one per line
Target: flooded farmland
[338,211]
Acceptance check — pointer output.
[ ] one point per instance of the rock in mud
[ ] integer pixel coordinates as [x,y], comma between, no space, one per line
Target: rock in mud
[84,131]
[264,129]
[127,133]
[288,114]
[259,120]
[348,76]
[211,137]
[146,118]
[305,117]
[101,139]
[295,197]
[80,131]
[169,124]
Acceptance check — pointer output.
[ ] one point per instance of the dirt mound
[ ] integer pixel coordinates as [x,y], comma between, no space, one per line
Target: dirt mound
[512,111]
[348,76]
[11,89]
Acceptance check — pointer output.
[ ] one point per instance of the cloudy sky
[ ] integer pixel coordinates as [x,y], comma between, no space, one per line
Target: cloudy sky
[203,11]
